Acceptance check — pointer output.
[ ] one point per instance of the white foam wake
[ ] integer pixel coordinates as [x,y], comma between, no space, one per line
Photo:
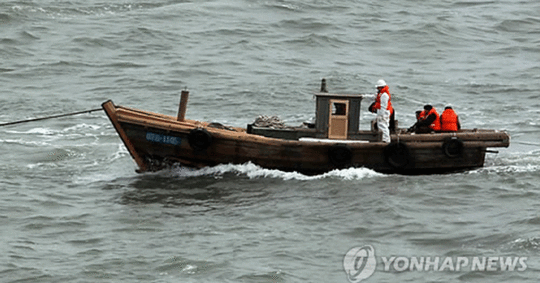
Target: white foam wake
[253,171]
[521,162]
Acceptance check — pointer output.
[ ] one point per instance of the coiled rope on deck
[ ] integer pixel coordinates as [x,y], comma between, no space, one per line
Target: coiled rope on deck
[273,122]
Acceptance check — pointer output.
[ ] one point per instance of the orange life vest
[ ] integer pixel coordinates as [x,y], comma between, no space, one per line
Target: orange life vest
[378,100]
[449,121]
[422,115]
[436,125]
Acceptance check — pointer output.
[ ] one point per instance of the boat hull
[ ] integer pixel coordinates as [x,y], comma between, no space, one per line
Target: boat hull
[157,141]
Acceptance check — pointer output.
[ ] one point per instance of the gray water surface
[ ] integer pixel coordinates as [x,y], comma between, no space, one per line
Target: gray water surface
[72,208]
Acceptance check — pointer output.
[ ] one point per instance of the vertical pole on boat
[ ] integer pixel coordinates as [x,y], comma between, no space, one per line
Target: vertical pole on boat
[323,85]
[183,105]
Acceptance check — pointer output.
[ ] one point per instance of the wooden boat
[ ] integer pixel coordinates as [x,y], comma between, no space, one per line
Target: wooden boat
[334,141]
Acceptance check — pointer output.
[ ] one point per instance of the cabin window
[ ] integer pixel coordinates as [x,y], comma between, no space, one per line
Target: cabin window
[339,109]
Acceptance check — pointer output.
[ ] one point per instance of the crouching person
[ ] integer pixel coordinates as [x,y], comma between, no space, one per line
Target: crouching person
[427,121]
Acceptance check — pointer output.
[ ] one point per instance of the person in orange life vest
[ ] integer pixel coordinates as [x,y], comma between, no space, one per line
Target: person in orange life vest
[419,117]
[429,121]
[449,120]
[383,107]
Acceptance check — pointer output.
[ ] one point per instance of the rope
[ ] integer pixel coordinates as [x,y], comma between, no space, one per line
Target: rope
[273,122]
[51,117]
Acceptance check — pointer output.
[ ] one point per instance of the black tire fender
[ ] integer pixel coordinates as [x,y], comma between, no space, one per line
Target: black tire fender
[397,155]
[199,139]
[452,147]
[340,155]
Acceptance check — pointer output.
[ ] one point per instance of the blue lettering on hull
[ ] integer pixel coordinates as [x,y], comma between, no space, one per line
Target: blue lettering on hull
[159,138]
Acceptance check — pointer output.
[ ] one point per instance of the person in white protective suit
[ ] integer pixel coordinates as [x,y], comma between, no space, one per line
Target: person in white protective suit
[383,107]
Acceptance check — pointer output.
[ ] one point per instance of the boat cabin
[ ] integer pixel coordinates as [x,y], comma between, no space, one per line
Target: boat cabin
[337,116]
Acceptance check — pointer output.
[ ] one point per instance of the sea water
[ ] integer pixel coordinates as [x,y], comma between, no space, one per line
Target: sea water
[72,208]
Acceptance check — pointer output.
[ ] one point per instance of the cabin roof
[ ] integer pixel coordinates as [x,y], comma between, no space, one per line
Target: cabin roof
[338,95]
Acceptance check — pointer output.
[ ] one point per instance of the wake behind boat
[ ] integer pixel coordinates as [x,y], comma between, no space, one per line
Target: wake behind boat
[334,141]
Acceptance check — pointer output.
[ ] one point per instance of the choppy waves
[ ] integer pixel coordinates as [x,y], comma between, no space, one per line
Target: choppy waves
[70,195]
[68,11]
